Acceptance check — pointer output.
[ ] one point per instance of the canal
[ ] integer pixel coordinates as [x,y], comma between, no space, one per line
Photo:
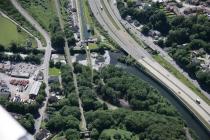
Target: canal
[191,121]
[83,23]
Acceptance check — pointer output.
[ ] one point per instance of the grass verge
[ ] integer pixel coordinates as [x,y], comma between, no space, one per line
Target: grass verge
[180,76]
[109,15]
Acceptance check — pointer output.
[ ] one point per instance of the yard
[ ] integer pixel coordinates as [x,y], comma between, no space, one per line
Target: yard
[9,33]
[92,46]
[54,71]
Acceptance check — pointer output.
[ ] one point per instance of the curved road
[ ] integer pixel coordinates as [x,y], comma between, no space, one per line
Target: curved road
[45,65]
[187,96]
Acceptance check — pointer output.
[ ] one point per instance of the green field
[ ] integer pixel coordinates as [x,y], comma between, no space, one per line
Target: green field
[180,76]
[9,33]
[54,72]
[111,134]
[92,46]
[42,10]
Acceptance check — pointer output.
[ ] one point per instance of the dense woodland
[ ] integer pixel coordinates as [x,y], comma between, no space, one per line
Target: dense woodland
[150,116]
[34,56]
[183,35]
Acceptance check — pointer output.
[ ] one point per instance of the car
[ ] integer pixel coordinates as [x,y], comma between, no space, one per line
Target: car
[198,101]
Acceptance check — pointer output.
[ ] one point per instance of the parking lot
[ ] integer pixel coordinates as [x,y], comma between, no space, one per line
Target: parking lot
[24,68]
[19,78]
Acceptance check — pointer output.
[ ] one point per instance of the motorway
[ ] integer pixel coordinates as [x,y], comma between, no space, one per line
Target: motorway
[45,65]
[149,42]
[128,44]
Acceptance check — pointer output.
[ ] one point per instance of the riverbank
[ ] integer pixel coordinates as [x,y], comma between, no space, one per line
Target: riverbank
[191,120]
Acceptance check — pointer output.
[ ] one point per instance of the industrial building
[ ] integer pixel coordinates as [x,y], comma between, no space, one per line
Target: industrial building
[34,90]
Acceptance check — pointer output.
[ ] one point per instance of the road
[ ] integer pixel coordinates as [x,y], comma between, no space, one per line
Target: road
[149,42]
[69,62]
[45,65]
[187,96]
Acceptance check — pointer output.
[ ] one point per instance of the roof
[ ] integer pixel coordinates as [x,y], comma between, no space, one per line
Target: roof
[53,79]
[35,88]
[20,74]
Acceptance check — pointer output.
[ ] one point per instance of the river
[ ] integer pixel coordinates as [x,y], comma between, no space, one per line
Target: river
[191,121]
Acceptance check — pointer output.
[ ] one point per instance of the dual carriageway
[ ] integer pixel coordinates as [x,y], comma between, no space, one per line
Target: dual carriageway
[108,20]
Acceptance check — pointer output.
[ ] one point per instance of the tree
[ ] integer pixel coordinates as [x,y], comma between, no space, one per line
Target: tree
[145,30]
[201,76]
[27,122]
[19,28]
[72,134]
[58,41]
[94,134]
[2,48]
[68,110]
[159,22]
[51,63]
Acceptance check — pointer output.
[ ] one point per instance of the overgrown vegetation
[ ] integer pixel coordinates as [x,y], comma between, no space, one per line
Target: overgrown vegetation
[8,9]
[33,55]
[42,10]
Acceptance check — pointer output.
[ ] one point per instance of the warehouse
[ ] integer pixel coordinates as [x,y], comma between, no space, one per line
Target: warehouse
[35,90]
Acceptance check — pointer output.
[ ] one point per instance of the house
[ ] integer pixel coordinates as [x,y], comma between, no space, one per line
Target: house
[193,2]
[129,19]
[42,134]
[154,33]
[38,75]
[138,3]
[53,79]
[136,23]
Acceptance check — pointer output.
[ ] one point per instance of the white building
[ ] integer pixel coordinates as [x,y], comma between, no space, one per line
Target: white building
[35,89]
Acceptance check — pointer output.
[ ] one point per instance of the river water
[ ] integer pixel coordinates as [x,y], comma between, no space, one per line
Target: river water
[191,121]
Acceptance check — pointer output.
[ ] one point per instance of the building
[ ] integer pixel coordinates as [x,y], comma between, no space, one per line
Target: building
[4,90]
[53,79]
[20,74]
[35,89]
[154,33]
[5,66]
[129,19]
[42,134]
